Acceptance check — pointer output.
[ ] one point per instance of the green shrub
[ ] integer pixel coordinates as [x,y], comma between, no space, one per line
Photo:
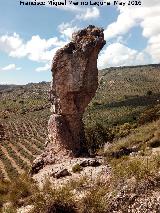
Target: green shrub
[78,183]
[149,115]
[20,190]
[154,143]
[4,189]
[96,103]
[96,200]
[97,136]
[123,130]
[149,93]
[138,167]
[54,200]
[9,209]
[77,168]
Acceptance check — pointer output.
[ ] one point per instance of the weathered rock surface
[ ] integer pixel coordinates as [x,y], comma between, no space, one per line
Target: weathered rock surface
[90,162]
[75,80]
[74,83]
[60,173]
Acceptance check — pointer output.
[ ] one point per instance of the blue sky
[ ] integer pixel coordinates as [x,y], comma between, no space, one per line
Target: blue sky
[30,36]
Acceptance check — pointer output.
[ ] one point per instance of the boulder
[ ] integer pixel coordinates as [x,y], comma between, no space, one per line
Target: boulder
[90,162]
[60,173]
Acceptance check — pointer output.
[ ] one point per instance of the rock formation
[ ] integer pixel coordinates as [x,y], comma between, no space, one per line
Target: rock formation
[74,83]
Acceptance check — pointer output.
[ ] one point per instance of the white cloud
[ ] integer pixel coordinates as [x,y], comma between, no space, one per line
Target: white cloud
[66,30]
[10,67]
[36,49]
[153,48]
[117,54]
[8,43]
[89,13]
[123,24]
[3,83]
[44,68]
[18,68]
[147,17]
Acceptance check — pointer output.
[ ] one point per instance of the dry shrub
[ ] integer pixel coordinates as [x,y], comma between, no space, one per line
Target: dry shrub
[54,200]
[138,167]
[96,200]
[21,190]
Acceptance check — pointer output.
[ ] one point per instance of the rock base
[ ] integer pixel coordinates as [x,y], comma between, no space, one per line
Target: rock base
[63,173]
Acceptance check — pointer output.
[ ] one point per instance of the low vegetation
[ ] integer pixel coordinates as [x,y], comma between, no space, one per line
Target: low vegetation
[129,175]
[76,168]
[121,124]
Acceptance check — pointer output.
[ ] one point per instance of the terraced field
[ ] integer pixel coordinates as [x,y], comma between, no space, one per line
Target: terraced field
[24,138]
[123,94]
[23,127]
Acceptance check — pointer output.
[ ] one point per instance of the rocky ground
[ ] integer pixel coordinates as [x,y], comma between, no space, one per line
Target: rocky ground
[73,169]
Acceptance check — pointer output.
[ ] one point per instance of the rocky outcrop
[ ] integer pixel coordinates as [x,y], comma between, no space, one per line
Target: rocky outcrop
[74,83]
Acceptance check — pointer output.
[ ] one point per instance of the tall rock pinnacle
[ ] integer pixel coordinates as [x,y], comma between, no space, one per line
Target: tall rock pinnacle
[74,83]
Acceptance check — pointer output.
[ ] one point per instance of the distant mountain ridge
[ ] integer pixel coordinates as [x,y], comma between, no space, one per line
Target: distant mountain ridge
[101,72]
[7,86]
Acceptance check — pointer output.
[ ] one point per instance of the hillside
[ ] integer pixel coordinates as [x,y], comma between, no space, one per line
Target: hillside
[124,116]
[5,87]
[124,93]
[24,110]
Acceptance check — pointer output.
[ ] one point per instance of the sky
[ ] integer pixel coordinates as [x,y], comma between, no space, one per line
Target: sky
[31,35]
